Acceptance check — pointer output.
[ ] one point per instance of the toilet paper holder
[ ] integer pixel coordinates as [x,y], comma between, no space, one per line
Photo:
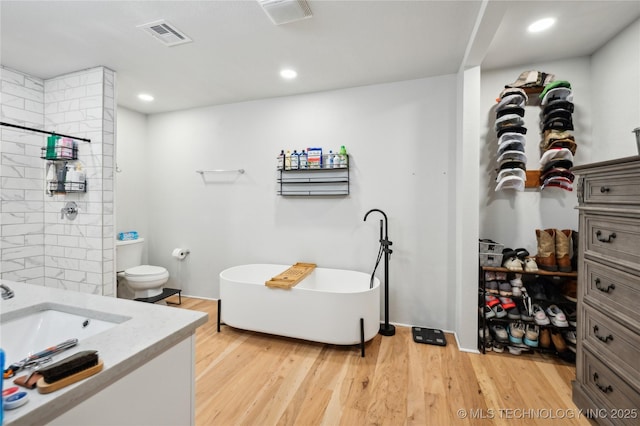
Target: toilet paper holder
[180,253]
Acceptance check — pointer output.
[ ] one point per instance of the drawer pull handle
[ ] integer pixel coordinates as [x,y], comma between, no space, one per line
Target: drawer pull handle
[604,189]
[605,240]
[603,339]
[604,389]
[604,289]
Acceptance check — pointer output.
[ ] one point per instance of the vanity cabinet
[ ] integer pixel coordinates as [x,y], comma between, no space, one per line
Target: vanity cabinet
[607,384]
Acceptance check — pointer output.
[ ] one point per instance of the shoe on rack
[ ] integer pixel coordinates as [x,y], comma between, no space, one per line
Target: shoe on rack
[546,258]
[513,350]
[513,313]
[489,276]
[507,303]
[501,276]
[570,336]
[521,253]
[558,341]
[516,332]
[482,333]
[490,300]
[516,291]
[524,306]
[498,347]
[492,287]
[499,311]
[570,291]
[571,315]
[557,317]
[545,338]
[505,289]
[538,315]
[531,335]
[500,333]
[563,244]
[530,265]
[513,264]
[536,290]
[516,281]
[488,312]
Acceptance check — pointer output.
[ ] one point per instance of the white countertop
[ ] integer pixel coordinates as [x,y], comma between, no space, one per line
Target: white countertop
[150,330]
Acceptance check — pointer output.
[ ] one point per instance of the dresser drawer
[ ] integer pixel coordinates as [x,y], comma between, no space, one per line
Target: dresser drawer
[617,344]
[611,290]
[612,190]
[606,388]
[615,237]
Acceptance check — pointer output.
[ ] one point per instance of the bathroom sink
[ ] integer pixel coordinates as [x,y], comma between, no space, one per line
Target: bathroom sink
[28,331]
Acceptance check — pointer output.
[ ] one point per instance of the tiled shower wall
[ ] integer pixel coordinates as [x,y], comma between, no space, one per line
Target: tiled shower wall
[76,255]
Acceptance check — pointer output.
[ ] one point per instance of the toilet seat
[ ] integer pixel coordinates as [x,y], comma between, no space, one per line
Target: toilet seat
[144,273]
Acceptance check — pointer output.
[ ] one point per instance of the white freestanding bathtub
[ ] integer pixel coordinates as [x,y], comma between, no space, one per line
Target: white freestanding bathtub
[329,306]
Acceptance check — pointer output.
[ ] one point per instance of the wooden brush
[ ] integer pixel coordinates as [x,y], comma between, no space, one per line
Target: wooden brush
[69,370]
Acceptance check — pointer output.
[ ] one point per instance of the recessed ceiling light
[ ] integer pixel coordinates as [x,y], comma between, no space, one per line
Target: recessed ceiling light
[288,74]
[541,25]
[145,97]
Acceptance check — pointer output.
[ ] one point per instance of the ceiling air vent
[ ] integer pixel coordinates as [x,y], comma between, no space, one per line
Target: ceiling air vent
[168,34]
[285,11]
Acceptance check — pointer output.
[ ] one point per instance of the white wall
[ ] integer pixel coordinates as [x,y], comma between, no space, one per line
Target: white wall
[131,180]
[398,136]
[615,71]
[511,217]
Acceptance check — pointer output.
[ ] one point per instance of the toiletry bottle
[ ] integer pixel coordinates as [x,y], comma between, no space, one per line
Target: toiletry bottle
[336,161]
[287,160]
[281,160]
[343,156]
[62,177]
[303,160]
[295,160]
[330,160]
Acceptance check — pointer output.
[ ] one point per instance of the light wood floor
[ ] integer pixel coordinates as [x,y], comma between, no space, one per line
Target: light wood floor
[246,378]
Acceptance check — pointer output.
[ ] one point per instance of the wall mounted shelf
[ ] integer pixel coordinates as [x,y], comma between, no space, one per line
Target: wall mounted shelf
[314,181]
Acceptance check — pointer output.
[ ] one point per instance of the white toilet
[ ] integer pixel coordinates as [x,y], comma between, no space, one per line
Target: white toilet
[143,280]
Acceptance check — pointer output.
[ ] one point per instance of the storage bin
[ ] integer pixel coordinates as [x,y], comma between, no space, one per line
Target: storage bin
[490,246]
[491,259]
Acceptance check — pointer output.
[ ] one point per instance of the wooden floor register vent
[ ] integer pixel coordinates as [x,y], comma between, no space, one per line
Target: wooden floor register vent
[291,276]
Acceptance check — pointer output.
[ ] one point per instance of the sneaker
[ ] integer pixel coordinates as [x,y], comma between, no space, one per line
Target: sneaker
[507,303]
[545,338]
[516,332]
[492,287]
[501,276]
[499,311]
[513,264]
[488,312]
[490,300]
[482,333]
[570,336]
[516,291]
[536,290]
[538,315]
[489,276]
[558,341]
[517,281]
[531,335]
[557,317]
[524,305]
[530,265]
[571,315]
[513,313]
[498,347]
[500,333]
[505,289]
[513,350]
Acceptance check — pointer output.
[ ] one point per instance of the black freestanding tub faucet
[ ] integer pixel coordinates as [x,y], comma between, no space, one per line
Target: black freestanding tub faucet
[386,329]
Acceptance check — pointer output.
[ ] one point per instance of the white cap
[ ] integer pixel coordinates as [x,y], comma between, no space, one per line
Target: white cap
[563,93]
[512,155]
[510,182]
[553,154]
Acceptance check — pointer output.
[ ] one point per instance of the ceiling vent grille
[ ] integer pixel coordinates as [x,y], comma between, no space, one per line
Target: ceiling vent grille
[167,33]
[285,11]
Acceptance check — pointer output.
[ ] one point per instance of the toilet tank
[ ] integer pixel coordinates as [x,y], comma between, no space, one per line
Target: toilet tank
[128,254]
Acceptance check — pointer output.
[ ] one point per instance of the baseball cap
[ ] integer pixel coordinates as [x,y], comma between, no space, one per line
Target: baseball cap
[553,85]
[564,164]
[510,109]
[557,104]
[514,129]
[557,172]
[562,93]
[510,182]
[556,154]
[559,182]
[511,172]
[509,91]
[532,79]
[512,155]
[509,120]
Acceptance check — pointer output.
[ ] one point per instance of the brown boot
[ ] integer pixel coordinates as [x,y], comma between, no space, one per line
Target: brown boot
[558,341]
[563,244]
[545,338]
[546,258]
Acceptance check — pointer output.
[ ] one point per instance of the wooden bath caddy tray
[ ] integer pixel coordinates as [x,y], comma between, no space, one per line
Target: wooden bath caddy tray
[291,276]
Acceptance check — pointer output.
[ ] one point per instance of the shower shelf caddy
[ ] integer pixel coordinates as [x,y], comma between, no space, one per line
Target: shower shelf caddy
[323,180]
